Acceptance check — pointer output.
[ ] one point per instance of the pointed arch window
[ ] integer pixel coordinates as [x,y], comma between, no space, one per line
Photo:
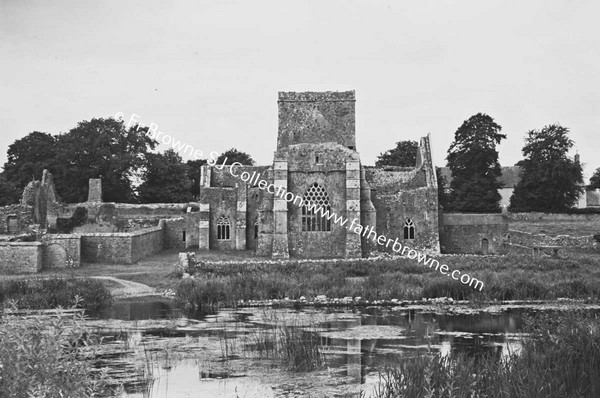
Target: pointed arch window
[315,198]
[223,228]
[409,229]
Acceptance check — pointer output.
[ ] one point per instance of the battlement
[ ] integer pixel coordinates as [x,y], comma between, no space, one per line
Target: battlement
[314,96]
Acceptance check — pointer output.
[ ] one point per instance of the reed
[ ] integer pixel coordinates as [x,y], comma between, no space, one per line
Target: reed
[561,358]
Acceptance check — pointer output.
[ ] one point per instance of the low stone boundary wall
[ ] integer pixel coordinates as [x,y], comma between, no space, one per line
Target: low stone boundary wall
[529,239]
[551,217]
[123,247]
[473,233]
[146,242]
[20,257]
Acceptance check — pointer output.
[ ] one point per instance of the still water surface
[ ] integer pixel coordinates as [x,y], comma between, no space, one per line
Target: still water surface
[207,356]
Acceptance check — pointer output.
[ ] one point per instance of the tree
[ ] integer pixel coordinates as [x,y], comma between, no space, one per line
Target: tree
[550,180]
[194,167]
[473,160]
[232,155]
[595,180]
[101,148]
[165,179]
[28,157]
[405,155]
[9,194]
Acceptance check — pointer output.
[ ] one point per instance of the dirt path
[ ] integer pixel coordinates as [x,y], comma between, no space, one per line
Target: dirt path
[128,288]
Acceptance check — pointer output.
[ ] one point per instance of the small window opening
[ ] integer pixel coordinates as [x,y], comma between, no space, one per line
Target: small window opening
[409,229]
[256,229]
[183,235]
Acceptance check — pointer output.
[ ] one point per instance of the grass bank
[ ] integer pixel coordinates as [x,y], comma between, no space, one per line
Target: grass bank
[53,292]
[518,277]
[561,358]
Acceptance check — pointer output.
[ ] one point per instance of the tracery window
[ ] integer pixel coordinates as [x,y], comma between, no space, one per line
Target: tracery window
[315,198]
[223,228]
[409,229]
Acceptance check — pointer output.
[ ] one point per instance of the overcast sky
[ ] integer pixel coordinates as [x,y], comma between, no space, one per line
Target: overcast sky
[208,72]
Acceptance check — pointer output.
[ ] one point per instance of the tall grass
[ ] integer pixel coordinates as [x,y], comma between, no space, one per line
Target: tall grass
[46,356]
[38,293]
[560,359]
[296,344]
[505,278]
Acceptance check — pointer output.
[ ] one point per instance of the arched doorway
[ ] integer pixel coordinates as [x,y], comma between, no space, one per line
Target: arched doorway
[485,246]
[55,256]
[12,224]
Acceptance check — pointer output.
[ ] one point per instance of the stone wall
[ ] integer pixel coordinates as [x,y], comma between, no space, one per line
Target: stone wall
[533,216]
[20,257]
[400,194]
[61,251]
[22,214]
[419,205]
[146,242]
[223,203]
[529,239]
[121,247]
[312,118]
[473,233]
[174,233]
[389,179]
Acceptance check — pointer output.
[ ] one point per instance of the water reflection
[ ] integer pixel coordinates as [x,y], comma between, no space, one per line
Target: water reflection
[207,357]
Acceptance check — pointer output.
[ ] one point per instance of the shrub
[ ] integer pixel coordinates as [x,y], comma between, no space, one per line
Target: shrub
[37,293]
[77,219]
[203,296]
[46,357]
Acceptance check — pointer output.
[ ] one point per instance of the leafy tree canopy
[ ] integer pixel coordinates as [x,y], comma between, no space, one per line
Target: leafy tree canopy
[27,158]
[9,194]
[101,148]
[551,180]
[404,154]
[232,155]
[595,180]
[194,167]
[473,160]
[165,179]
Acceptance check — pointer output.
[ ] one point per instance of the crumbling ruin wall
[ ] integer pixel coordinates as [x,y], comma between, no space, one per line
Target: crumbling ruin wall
[400,194]
[15,219]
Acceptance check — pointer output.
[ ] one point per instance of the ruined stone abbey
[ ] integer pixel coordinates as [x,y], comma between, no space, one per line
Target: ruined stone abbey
[316,159]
